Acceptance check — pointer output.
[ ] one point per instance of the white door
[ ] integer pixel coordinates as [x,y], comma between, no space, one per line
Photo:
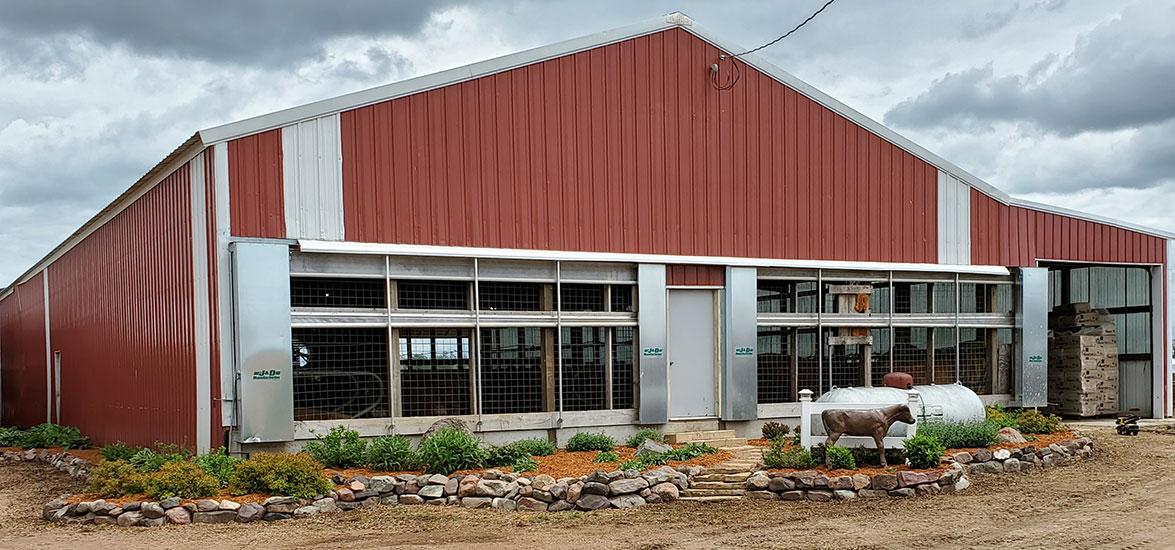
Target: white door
[691,354]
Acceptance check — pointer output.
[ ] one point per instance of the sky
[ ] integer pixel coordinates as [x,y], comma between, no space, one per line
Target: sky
[1066,102]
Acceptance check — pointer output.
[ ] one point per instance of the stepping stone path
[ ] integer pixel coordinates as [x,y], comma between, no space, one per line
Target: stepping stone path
[725,480]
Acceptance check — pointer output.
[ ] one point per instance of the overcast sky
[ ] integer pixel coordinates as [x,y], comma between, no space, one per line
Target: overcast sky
[1066,102]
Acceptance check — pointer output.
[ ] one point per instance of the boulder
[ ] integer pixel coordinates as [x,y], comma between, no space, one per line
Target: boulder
[1012,466]
[284,508]
[781,484]
[152,522]
[860,481]
[346,495]
[180,516]
[844,494]
[627,486]
[1001,454]
[762,495]
[531,505]
[504,504]
[357,486]
[649,447]
[560,506]
[574,490]
[792,495]
[927,489]
[455,423]
[543,482]
[491,488]
[981,455]
[452,486]
[665,492]
[909,478]
[170,502]
[279,500]
[273,516]
[903,492]
[307,511]
[432,491]
[655,477]
[962,484]
[559,490]
[841,483]
[438,479]
[250,512]
[391,500]
[819,495]
[468,486]
[219,516]
[595,488]
[884,482]
[962,457]
[872,493]
[475,502]
[207,505]
[411,499]
[229,505]
[383,484]
[592,501]
[129,519]
[758,482]
[328,505]
[151,510]
[627,501]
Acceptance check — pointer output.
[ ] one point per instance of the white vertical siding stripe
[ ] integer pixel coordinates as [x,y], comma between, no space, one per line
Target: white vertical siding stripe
[312,170]
[224,284]
[954,220]
[48,352]
[201,312]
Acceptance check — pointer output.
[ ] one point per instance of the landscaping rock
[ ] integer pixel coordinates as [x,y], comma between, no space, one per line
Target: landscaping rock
[151,510]
[468,486]
[229,505]
[438,479]
[412,499]
[627,501]
[903,492]
[278,500]
[250,512]
[491,474]
[872,493]
[543,482]
[283,508]
[207,505]
[627,486]
[346,495]
[884,482]
[276,517]
[560,506]
[927,489]
[758,482]
[170,502]
[844,494]
[649,447]
[993,467]
[840,483]
[132,506]
[82,508]
[1001,454]
[860,481]
[819,495]
[665,492]
[780,484]
[348,506]
[504,504]
[909,478]
[220,516]
[129,519]
[981,455]
[963,483]
[491,488]
[180,516]
[432,491]
[655,477]
[962,457]
[101,507]
[558,490]
[452,486]
[792,495]
[326,505]
[762,495]
[475,502]
[531,505]
[306,511]
[455,423]
[574,490]
[1012,466]
[1010,436]
[592,501]
[357,486]
[391,500]
[148,522]
[595,488]
[383,484]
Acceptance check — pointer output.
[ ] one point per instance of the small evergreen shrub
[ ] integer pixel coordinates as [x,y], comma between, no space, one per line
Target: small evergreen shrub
[1033,422]
[295,475]
[999,416]
[782,456]
[775,430]
[634,464]
[534,446]
[606,456]
[150,460]
[340,448]
[840,458]
[508,454]
[44,436]
[682,453]
[118,451]
[961,436]
[449,450]
[181,479]
[218,465]
[524,464]
[392,453]
[584,441]
[924,451]
[645,433]
[115,478]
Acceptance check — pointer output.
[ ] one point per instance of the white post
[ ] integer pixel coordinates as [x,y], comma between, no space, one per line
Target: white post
[915,403]
[806,419]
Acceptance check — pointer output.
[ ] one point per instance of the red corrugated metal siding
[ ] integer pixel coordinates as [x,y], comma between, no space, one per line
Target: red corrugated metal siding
[1014,236]
[217,436]
[695,275]
[121,313]
[629,148]
[22,354]
[256,196]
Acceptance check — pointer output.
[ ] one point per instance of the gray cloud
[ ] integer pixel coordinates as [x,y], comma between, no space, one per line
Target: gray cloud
[1119,75]
[252,32]
[990,22]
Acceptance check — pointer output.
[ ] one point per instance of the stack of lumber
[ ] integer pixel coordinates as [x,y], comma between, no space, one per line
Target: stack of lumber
[1083,361]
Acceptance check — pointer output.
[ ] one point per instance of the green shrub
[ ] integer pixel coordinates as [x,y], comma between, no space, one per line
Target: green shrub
[775,430]
[863,455]
[295,475]
[44,435]
[181,479]
[634,464]
[584,441]
[962,436]
[340,448]
[449,450]
[645,433]
[218,465]
[606,456]
[999,416]
[1033,422]
[524,464]
[535,446]
[782,456]
[9,436]
[505,455]
[682,453]
[392,453]
[115,478]
[924,451]
[118,451]
[150,460]
[840,458]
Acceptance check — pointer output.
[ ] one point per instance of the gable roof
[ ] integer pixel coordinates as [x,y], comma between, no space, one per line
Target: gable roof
[674,20]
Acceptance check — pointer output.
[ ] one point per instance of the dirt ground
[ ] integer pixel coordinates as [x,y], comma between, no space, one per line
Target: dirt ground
[1123,499]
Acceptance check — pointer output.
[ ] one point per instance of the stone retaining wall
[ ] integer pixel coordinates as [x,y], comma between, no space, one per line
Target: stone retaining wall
[811,485]
[75,466]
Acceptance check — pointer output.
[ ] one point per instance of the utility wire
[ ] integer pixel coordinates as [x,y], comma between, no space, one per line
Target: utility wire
[737,72]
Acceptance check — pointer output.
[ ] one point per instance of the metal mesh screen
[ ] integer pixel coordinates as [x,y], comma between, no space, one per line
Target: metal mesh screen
[432,294]
[341,293]
[623,368]
[975,360]
[774,368]
[623,298]
[847,366]
[580,297]
[584,361]
[911,297]
[787,296]
[944,356]
[973,298]
[882,350]
[340,373]
[879,303]
[494,296]
[944,297]
[435,372]
[512,370]
[808,362]
[910,353]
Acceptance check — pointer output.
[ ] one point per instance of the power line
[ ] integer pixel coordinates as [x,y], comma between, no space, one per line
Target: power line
[737,72]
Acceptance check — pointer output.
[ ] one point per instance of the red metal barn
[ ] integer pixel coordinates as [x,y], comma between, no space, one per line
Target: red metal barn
[586,234]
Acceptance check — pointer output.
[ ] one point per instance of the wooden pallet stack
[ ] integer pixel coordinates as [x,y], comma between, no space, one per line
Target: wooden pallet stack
[1083,361]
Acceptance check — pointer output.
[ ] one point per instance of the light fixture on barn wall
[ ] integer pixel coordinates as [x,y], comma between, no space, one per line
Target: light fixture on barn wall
[735,73]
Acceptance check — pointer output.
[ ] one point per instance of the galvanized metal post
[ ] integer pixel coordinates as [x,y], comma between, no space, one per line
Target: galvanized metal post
[476,342]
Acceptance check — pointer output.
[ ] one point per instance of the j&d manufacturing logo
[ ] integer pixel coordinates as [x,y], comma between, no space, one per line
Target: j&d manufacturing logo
[271,374]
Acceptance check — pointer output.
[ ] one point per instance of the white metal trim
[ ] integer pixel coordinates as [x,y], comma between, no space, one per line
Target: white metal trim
[329,247]
[1170,340]
[312,171]
[1159,346]
[224,285]
[48,351]
[201,311]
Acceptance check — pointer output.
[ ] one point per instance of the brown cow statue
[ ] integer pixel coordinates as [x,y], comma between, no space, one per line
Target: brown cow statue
[873,423]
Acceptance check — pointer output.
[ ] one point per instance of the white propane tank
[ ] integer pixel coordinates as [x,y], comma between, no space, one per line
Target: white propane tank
[951,403]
